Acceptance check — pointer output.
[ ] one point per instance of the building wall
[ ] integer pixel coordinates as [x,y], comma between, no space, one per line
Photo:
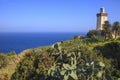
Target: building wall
[101,18]
[100,21]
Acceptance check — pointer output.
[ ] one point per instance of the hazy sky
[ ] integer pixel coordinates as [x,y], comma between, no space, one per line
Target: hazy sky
[54,15]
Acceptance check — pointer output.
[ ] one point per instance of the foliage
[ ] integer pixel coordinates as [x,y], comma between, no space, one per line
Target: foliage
[11,53]
[81,58]
[116,29]
[92,33]
[32,66]
[111,51]
[93,39]
[7,65]
[63,62]
[106,32]
[6,59]
[3,60]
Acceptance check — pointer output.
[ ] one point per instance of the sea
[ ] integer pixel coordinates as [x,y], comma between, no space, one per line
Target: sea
[20,41]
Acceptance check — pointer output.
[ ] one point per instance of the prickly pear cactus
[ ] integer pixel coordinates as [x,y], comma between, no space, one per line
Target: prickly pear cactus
[57,46]
[76,65]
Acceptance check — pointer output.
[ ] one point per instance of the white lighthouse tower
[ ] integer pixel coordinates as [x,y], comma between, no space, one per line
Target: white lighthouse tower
[101,18]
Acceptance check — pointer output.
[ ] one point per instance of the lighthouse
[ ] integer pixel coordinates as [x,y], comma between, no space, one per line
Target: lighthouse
[101,18]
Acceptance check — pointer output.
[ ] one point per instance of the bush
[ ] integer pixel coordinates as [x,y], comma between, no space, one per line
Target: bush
[92,33]
[3,60]
[11,53]
[111,51]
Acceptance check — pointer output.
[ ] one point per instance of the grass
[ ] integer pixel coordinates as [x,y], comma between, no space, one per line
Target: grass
[92,45]
[8,70]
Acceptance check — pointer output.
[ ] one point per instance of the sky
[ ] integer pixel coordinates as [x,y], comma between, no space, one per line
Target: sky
[54,15]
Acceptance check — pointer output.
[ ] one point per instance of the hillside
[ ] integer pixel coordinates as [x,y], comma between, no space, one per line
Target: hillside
[79,58]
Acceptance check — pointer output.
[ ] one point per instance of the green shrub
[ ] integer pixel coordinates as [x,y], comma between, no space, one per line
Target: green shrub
[3,60]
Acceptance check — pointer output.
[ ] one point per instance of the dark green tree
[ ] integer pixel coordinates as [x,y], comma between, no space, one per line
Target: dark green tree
[116,29]
[92,33]
[106,32]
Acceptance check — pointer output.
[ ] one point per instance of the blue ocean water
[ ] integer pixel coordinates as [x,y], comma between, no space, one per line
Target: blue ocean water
[20,41]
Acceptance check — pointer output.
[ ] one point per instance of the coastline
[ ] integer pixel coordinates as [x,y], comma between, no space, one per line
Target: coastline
[21,41]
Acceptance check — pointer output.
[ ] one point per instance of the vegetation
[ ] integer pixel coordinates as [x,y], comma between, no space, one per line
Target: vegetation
[78,58]
[106,32]
[81,58]
[92,33]
[109,31]
[7,65]
[116,29]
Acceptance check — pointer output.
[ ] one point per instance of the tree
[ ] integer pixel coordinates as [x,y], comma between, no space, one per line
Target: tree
[106,32]
[92,33]
[116,29]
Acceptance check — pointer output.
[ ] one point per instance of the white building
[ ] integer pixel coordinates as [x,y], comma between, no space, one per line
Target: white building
[101,18]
